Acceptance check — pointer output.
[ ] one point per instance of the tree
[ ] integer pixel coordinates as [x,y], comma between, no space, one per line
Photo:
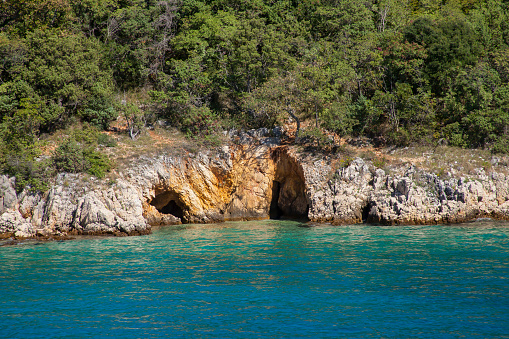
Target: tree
[450,45]
[278,98]
[139,37]
[135,118]
[22,16]
[65,73]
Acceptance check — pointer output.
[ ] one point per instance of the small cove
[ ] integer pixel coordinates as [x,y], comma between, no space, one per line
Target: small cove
[271,278]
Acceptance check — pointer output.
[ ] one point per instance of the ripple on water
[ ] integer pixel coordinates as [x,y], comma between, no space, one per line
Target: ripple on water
[263,278]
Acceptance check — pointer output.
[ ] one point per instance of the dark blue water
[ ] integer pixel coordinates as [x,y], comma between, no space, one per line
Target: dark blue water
[262,279]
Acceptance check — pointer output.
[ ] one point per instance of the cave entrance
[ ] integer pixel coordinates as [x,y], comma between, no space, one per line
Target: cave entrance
[365,212]
[173,208]
[275,212]
[288,201]
[168,203]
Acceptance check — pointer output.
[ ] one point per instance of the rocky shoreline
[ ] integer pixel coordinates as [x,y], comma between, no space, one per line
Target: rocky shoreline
[254,178]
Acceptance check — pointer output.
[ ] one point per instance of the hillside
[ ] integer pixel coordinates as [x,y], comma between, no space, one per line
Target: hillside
[76,76]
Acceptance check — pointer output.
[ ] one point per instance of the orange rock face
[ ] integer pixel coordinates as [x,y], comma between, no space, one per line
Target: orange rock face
[244,183]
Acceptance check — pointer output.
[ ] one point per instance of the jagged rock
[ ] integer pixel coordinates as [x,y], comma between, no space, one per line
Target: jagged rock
[272,141]
[342,198]
[70,207]
[252,181]
[116,210]
[8,198]
[262,136]
[13,222]
[258,133]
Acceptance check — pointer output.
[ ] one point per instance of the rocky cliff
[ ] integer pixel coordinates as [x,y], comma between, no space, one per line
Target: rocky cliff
[254,179]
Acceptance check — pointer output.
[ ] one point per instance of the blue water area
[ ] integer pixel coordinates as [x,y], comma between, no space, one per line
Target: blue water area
[277,279]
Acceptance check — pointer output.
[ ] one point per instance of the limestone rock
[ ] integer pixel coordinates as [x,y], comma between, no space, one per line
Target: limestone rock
[117,210]
[8,198]
[342,198]
[13,222]
[256,180]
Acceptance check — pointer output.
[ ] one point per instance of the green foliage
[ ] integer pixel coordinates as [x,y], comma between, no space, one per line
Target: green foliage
[339,120]
[61,73]
[379,162]
[345,161]
[316,136]
[19,149]
[24,162]
[137,37]
[450,45]
[401,72]
[77,154]
[135,119]
[106,140]
[69,157]
[23,16]
[501,146]
[342,20]
[455,134]
[99,108]
[98,164]
[199,121]
[487,126]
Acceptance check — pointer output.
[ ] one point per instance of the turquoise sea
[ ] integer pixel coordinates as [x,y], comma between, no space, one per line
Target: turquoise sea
[277,279]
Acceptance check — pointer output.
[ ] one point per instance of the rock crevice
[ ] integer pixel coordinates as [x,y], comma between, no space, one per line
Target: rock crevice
[248,181]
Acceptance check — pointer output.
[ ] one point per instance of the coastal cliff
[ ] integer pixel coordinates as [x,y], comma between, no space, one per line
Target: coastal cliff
[253,179]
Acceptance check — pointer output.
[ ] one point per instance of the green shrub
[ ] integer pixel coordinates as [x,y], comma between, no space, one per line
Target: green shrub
[455,135]
[345,161]
[400,138]
[69,157]
[98,109]
[77,153]
[212,140]
[98,164]
[501,146]
[338,119]
[29,171]
[106,140]
[379,162]
[20,154]
[315,135]
[199,121]
[26,165]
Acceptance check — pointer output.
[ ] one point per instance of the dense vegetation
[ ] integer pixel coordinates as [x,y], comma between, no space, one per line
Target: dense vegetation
[397,71]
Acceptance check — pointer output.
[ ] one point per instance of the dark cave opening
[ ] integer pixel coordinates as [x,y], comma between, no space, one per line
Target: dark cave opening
[289,198]
[168,203]
[275,212]
[365,212]
[287,203]
[173,208]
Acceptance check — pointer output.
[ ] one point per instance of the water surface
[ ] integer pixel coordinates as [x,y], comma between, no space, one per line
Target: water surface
[262,279]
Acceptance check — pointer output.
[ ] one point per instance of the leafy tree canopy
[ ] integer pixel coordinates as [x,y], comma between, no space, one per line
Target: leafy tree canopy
[399,71]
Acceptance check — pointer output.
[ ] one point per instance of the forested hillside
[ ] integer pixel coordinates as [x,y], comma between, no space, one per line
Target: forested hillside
[397,71]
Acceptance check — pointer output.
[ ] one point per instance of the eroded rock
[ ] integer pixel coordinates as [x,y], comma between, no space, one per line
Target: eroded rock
[253,181]
[8,198]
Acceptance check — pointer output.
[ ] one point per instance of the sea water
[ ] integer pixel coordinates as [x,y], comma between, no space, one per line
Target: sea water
[262,279]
